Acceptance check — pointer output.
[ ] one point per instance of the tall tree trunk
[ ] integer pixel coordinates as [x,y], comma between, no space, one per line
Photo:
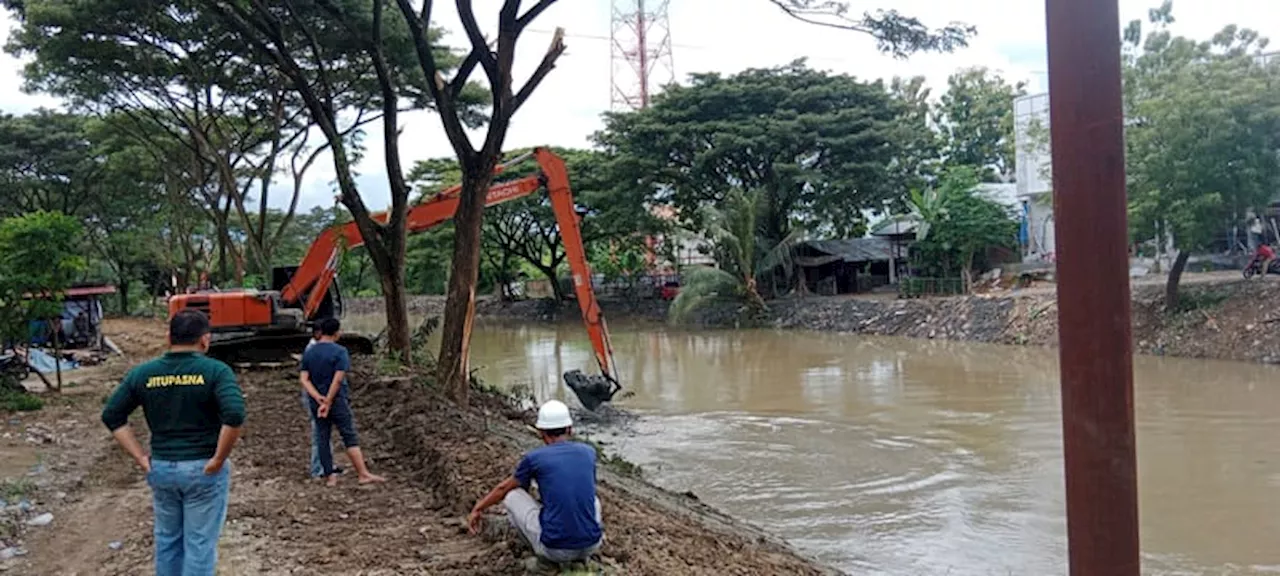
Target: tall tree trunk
[460,305]
[394,297]
[556,291]
[1175,276]
[124,297]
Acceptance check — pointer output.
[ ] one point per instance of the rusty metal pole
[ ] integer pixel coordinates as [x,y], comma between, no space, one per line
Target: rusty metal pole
[1087,130]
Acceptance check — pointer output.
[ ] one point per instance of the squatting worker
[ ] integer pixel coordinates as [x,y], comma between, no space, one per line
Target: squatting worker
[566,527]
[194,409]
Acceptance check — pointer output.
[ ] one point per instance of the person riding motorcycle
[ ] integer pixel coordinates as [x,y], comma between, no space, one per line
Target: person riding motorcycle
[1266,255]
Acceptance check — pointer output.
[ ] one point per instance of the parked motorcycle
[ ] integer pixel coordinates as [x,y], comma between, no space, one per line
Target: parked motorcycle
[1255,264]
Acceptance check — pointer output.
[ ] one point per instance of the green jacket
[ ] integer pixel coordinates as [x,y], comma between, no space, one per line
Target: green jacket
[186,398]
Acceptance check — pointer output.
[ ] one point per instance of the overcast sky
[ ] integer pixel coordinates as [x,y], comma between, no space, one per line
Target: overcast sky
[725,36]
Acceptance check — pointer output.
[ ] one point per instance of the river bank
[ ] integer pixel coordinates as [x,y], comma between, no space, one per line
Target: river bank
[1221,317]
[439,460]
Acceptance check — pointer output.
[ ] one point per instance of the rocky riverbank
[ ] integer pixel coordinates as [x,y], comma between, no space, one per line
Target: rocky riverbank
[1221,318]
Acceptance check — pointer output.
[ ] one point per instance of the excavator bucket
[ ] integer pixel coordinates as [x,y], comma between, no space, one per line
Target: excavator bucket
[592,390]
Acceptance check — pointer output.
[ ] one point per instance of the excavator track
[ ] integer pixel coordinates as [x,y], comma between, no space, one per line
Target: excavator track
[274,348]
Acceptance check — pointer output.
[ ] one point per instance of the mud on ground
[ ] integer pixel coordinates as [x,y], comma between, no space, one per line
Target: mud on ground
[438,460]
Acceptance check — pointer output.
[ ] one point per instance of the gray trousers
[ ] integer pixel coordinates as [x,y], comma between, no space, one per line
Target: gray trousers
[523,511]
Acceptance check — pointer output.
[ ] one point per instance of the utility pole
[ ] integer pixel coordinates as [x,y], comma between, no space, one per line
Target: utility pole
[640,52]
[1096,354]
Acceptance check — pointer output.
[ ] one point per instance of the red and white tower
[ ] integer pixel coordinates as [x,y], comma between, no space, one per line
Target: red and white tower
[641,52]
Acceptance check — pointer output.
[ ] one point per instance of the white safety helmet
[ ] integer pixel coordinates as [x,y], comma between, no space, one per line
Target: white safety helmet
[554,415]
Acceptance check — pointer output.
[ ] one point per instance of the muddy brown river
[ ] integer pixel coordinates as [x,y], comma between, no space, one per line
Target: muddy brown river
[908,457]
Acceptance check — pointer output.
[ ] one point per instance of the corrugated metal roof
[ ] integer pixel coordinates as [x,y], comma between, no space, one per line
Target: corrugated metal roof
[91,290]
[852,249]
[896,225]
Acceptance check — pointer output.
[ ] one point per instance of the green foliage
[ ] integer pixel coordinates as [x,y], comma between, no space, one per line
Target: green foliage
[817,146]
[46,163]
[743,254]
[1203,141]
[956,223]
[1203,145]
[976,119]
[919,147]
[14,401]
[39,259]
[14,489]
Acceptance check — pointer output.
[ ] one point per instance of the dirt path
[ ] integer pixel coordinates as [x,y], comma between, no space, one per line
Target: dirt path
[438,459]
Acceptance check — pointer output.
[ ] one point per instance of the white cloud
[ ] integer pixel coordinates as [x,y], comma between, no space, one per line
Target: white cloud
[728,36]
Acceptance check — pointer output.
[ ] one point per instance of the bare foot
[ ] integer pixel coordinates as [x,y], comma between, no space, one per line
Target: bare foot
[372,479]
[332,481]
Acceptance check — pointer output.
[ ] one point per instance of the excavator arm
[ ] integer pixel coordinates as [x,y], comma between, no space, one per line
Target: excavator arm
[319,267]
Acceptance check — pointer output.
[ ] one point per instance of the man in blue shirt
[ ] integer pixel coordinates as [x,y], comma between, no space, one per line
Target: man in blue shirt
[566,527]
[324,378]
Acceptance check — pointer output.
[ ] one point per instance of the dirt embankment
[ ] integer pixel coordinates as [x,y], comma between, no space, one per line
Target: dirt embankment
[1221,317]
[439,460]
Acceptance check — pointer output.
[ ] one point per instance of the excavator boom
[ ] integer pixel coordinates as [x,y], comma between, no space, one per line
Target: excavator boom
[310,282]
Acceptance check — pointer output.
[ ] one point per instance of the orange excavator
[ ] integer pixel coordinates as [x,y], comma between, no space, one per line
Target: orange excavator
[268,324]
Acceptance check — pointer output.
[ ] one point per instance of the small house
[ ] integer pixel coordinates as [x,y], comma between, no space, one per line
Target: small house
[80,323]
[845,266]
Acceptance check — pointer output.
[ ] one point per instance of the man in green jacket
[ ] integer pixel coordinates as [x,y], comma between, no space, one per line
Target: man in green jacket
[194,409]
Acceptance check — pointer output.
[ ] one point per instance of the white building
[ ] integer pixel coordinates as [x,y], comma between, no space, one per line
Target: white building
[1033,168]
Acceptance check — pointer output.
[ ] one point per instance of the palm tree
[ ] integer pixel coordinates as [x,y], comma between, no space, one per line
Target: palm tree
[742,254]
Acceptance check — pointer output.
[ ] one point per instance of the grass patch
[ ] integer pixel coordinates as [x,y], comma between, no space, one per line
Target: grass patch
[1191,301]
[14,490]
[14,401]
[618,464]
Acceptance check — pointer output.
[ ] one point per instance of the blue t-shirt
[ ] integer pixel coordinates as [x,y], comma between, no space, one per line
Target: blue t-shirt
[566,476]
[321,360]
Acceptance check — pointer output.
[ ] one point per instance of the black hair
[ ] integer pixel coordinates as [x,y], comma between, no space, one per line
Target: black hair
[329,326]
[187,327]
[556,432]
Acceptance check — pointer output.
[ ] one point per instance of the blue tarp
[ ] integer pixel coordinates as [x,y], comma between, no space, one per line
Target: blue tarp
[43,362]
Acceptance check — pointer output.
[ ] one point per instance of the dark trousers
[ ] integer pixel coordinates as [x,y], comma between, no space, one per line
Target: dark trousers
[339,415]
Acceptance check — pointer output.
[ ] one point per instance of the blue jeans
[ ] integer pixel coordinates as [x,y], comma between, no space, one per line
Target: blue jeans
[190,508]
[316,470]
[340,416]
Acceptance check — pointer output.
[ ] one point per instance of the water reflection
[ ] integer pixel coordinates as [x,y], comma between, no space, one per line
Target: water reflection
[916,457]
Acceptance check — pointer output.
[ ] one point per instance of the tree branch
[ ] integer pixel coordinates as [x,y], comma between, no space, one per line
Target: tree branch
[545,67]
[479,46]
[445,106]
[533,13]
[390,126]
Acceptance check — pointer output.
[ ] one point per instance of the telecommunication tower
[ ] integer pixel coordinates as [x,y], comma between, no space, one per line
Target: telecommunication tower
[641,59]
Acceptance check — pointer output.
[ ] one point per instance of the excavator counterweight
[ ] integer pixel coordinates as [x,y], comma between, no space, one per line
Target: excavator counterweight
[261,325]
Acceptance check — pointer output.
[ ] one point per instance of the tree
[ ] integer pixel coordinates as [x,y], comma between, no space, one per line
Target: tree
[46,163]
[894,33]
[976,118]
[1203,138]
[742,253]
[817,146]
[347,58]
[124,214]
[39,259]
[477,163]
[919,149]
[956,223]
[173,71]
